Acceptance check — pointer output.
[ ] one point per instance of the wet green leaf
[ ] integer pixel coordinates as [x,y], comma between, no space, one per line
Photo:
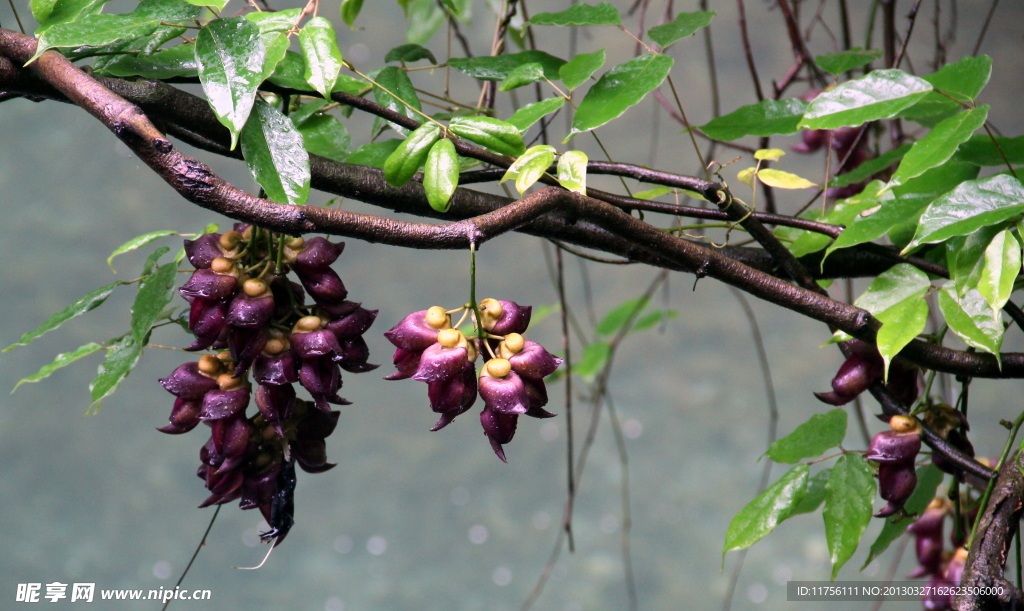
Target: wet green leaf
[350,10]
[838,63]
[652,193]
[897,284]
[871,167]
[290,72]
[766,118]
[965,256]
[155,293]
[424,17]
[900,324]
[276,155]
[374,154]
[939,144]
[55,12]
[319,46]
[849,494]
[972,319]
[498,68]
[572,171]
[526,116]
[62,360]
[982,151]
[577,70]
[410,155]
[217,4]
[153,259]
[619,89]
[684,25]
[441,174]
[166,63]
[963,79]
[815,494]
[396,81]
[230,55]
[810,439]
[94,31]
[326,136]
[87,302]
[928,479]
[137,243]
[530,166]
[969,207]
[120,361]
[1000,269]
[522,75]
[499,136]
[580,14]
[878,95]
[767,510]
[409,54]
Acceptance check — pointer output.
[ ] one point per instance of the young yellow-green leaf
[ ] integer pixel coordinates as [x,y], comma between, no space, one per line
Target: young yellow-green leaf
[526,116]
[409,53]
[572,171]
[766,118]
[135,244]
[849,494]
[62,360]
[900,324]
[577,70]
[972,319]
[810,439]
[972,205]
[87,302]
[652,193]
[618,89]
[783,180]
[878,95]
[746,176]
[838,63]
[928,479]
[326,136]
[1001,268]
[94,31]
[769,154]
[499,136]
[939,145]
[441,174]
[230,55]
[120,361]
[684,25]
[530,166]
[155,292]
[595,355]
[410,154]
[767,510]
[276,155]
[522,75]
[487,68]
[815,494]
[396,81]
[350,10]
[374,154]
[580,14]
[319,46]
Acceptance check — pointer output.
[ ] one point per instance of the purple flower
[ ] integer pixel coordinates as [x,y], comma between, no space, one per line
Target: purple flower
[350,323]
[501,317]
[927,531]
[204,249]
[453,396]
[275,402]
[499,429]
[189,382]
[276,364]
[252,307]
[219,281]
[184,417]
[895,451]
[417,331]
[220,404]
[207,320]
[857,373]
[317,254]
[502,389]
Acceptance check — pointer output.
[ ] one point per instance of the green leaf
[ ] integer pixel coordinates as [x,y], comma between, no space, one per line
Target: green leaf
[652,193]
[153,259]
[276,155]
[615,319]
[618,89]
[319,46]
[120,361]
[63,11]
[928,479]
[577,70]
[498,68]
[815,494]
[653,318]
[441,174]
[572,171]
[893,286]
[580,14]
[964,79]
[350,10]
[87,302]
[595,355]
[878,95]
[374,154]
[177,61]
[838,63]
[766,118]
[396,81]
[230,55]
[499,136]
[783,180]
[871,167]
[900,324]
[94,31]
[970,206]
[275,21]
[410,155]
[767,510]
[684,25]
[972,319]
[848,496]
[522,75]
[424,18]
[326,136]
[530,166]
[965,256]
[135,244]
[982,151]
[155,293]
[939,145]
[409,54]
[810,439]
[217,4]
[290,72]
[526,116]
[62,360]
[1001,268]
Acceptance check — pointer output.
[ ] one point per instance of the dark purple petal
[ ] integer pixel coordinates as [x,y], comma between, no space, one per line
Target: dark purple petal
[311,455]
[202,250]
[276,369]
[354,354]
[245,345]
[856,374]
[534,361]
[895,485]
[275,402]
[834,398]
[206,319]
[186,382]
[353,324]
[317,425]
[208,284]
[440,363]
[324,286]
[406,362]
[499,428]
[890,447]
[287,295]
[413,334]
[315,343]
[537,395]
[514,318]
[184,417]
[507,396]
[250,312]
[220,404]
[317,254]
[258,488]
[453,397]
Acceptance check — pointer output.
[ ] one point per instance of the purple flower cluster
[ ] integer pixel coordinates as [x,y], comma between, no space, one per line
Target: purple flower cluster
[894,451]
[262,324]
[511,383]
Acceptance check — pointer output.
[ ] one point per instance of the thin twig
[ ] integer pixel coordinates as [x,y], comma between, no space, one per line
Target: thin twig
[202,542]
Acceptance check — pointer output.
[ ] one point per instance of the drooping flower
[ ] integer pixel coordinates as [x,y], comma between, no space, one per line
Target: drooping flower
[894,451]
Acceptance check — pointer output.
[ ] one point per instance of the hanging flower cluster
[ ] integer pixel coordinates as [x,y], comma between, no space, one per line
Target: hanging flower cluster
[243,305]
[511,382]
[894,451]
[863,368]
